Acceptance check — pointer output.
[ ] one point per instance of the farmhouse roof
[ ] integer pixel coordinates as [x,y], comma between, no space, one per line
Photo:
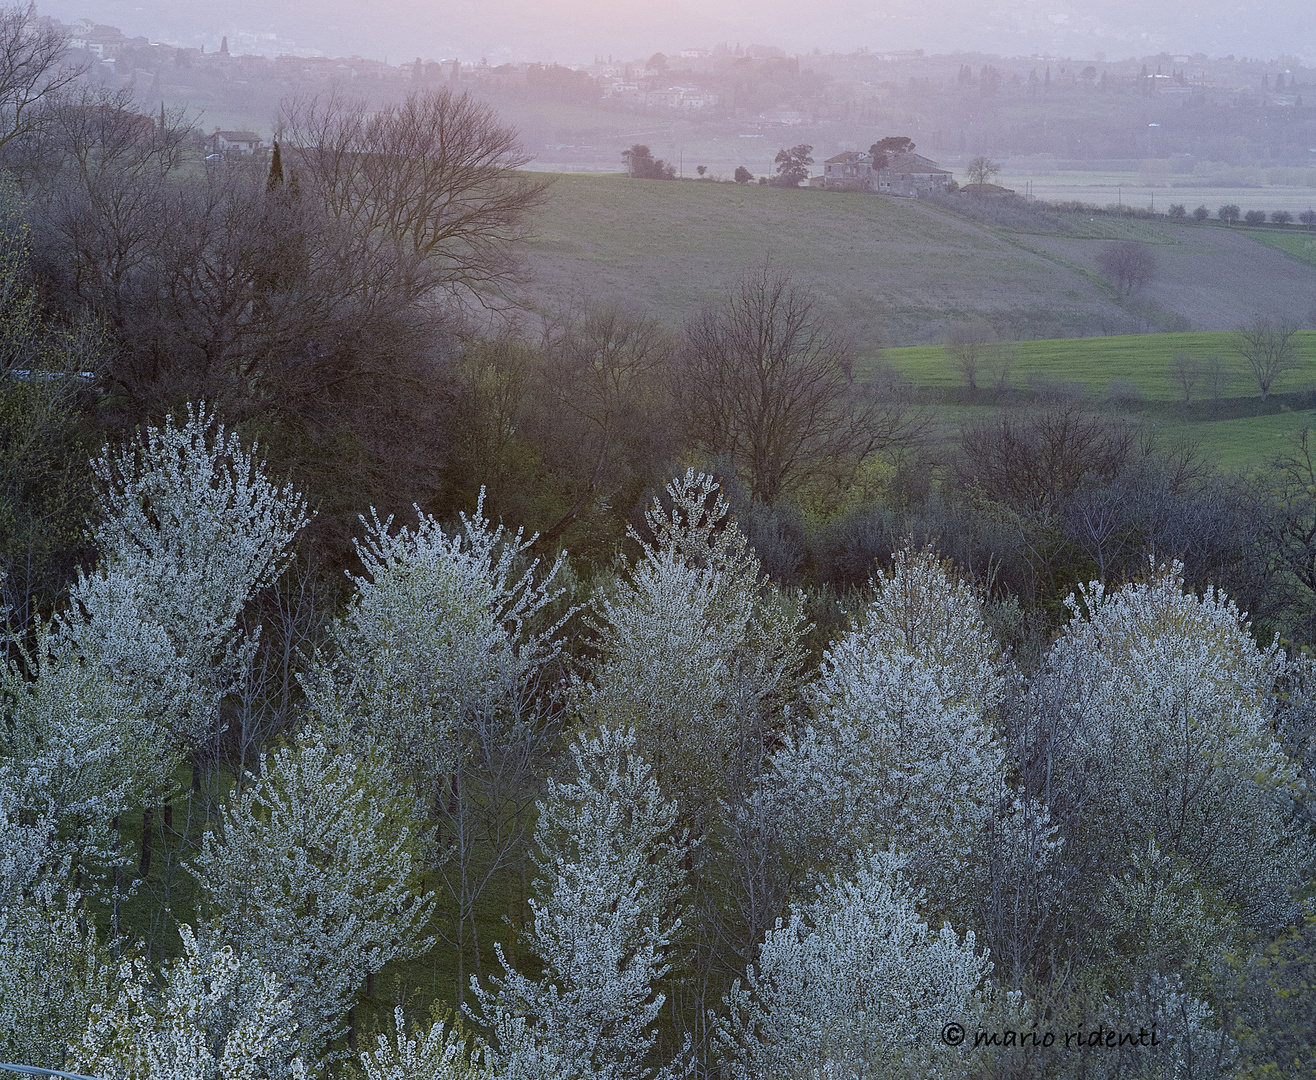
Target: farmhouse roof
[913,163]
[845,157]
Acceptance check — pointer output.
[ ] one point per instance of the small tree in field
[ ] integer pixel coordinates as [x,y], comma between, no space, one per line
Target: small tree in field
[743,175]
[1308,218]
[1201,214]
[1269,348]
[975,349]
[1184,374]
[642,165]
[1229,213]
[1129,265]
[982,169]
[1280,217]
[793,166]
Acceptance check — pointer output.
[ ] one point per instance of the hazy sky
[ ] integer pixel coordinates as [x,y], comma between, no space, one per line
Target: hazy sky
[577,30]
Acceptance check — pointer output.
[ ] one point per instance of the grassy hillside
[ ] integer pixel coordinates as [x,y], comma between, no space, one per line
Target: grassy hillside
[891,271]
[1298,245]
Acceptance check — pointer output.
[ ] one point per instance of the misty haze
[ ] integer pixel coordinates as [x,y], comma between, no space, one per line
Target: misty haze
[642,541]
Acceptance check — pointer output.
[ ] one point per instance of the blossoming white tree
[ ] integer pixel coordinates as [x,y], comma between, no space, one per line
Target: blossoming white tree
[903,751]
[1175,739]
[130,676]
[696,649]
[854,983]
[312,871]
[439,625]
[443,1052]
[603,923]
[215,1019]
[191,529]
[52,967]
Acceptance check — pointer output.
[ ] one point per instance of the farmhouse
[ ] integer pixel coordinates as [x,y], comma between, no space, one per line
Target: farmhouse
[894,174]
[233,143]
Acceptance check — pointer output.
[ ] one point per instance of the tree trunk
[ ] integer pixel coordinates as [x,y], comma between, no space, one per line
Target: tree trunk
[148,827]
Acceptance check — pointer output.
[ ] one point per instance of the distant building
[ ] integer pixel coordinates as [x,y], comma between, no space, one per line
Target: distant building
[901,174]
[229,144]
[986,190]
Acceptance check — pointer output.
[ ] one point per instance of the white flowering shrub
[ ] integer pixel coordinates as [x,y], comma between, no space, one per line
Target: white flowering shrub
[53,974]
[443,1052]
[603,923]
[922,607]
[312,870]
[854,983]
[52,967]
[902,751]
[438,624]
[1175,740]
[697,650]
[213,1020]
[191,529]
[130,676]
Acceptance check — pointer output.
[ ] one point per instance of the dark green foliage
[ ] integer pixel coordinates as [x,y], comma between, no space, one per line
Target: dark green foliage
[642,165]
[792,166]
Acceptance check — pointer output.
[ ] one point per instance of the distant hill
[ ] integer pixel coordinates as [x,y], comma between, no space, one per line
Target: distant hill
[892,271]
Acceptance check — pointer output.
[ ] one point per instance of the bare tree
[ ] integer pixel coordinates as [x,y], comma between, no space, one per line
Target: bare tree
[31,69]
[433,182]
[1215,376]
[1184,372]
[1129,265]
[1032,462]
[1269,348]
[982,169]
[763,382]
[976,349]
[605,411]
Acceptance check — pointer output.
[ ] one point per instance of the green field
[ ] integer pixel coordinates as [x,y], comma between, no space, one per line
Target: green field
[1090,365]
[1298,245]
[1142,359]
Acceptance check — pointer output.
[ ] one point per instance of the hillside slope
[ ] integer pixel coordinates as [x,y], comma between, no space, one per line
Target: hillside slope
[892,271]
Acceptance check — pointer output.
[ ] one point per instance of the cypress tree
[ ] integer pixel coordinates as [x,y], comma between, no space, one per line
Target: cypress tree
[275,180]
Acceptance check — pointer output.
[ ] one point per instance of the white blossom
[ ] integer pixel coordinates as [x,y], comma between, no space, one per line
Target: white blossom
[902,751]
[442,1053]
[854,984]
[212,1021]
[696,649]
[438,624]
[603,924]
[1175,739]
[52,967]
[131,674]
[191,529]
[312,871]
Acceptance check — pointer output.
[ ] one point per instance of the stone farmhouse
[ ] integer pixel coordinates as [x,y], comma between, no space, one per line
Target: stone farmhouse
[231,144]
[902,174]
